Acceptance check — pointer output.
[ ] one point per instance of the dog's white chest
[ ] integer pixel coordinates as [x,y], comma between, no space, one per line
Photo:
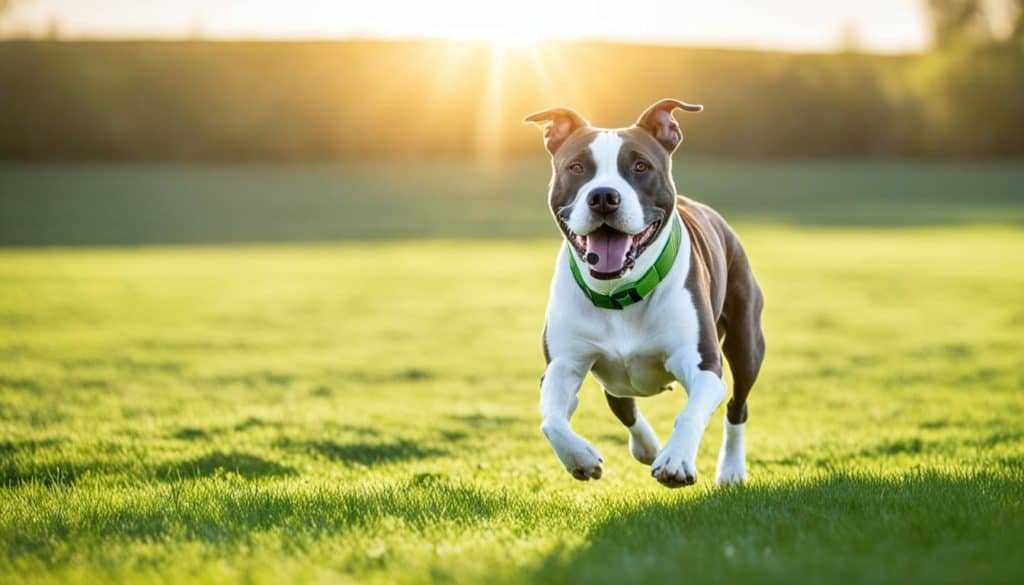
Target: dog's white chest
[631,352]
[632,374]
[627,350]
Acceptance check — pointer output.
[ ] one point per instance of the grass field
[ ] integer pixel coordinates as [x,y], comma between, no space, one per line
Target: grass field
[118,204]
[367,412]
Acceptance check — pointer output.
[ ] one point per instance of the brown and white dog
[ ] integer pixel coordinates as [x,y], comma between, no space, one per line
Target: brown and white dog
[652,287]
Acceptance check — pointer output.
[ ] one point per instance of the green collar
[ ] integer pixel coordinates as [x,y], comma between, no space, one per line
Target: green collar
[636,291]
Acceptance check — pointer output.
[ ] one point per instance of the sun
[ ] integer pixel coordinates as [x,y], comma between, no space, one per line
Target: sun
[506,37]
[514,39]
[509,25]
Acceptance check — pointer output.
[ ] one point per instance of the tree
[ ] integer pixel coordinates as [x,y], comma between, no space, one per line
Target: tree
[956,22]
[1017,32]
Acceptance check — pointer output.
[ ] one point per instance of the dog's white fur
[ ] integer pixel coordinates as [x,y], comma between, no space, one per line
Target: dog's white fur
[630,218]
[637,351]
[732,458]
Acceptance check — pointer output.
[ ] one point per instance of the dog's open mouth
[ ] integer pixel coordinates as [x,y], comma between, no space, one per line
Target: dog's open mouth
[609,252]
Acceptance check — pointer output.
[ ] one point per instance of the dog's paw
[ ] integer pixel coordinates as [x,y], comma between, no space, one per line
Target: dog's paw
[730,472]
[583,461]
[676,465]
[673,470]
[579,457]
[732,467]
[588,468]
[643,442]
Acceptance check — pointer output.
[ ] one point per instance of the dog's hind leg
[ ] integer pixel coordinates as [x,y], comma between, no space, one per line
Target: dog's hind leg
[643,442]
[744,348]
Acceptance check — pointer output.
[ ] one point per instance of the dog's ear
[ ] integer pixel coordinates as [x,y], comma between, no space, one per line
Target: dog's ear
[658,120]
[558,124]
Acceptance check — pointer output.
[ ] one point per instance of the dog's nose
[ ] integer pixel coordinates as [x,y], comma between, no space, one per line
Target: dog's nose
[603,200]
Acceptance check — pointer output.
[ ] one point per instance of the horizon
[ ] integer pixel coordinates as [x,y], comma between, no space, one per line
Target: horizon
[878,26]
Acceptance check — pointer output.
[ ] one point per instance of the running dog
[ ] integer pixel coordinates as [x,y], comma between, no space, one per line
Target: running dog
[651,288]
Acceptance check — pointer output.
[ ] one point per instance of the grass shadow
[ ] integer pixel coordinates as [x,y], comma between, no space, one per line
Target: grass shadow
[27,461]
[255,422]
[927,528]
[64,473]
[486,422]
[10,448]
[191,434]
[258,379]
[224,512]
[244,464]
[362,453]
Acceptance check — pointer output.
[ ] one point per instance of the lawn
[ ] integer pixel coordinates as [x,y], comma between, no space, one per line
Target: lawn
[367,412]
[118,204]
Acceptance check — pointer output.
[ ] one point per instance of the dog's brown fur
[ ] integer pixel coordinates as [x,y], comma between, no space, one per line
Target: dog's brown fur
[728,302]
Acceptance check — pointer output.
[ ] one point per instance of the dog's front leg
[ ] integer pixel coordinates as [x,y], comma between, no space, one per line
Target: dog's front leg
[558,401]
[676,465]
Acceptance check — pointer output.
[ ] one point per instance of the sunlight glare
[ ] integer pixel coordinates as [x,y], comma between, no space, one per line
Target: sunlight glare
[515,39]
[516,25]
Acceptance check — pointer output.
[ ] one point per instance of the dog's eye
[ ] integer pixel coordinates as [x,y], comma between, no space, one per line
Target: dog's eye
[640,167]
[575,168]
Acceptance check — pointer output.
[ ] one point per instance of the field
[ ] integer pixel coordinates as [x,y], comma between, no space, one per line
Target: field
[366,411]
[117,204]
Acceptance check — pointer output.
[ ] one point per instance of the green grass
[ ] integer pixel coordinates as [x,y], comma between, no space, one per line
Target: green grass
[113,204]
[367,412]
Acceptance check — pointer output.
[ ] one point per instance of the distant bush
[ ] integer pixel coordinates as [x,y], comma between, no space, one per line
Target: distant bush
[972,102]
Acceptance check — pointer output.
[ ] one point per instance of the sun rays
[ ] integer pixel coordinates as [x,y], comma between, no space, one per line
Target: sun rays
[503,79]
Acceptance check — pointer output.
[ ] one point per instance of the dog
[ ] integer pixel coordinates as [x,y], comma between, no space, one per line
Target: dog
[650,288]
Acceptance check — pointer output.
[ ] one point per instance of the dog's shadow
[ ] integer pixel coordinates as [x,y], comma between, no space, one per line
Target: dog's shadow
[924,528]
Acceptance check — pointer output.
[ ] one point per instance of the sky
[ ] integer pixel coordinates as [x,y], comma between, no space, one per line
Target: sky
[808,25]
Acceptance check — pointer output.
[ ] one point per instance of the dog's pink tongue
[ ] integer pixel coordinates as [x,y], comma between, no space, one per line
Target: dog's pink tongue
[610,246]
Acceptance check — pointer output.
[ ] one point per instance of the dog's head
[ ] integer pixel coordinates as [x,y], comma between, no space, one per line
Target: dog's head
[611,190]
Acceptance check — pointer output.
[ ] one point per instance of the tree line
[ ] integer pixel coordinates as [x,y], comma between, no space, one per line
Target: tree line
[194,100]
